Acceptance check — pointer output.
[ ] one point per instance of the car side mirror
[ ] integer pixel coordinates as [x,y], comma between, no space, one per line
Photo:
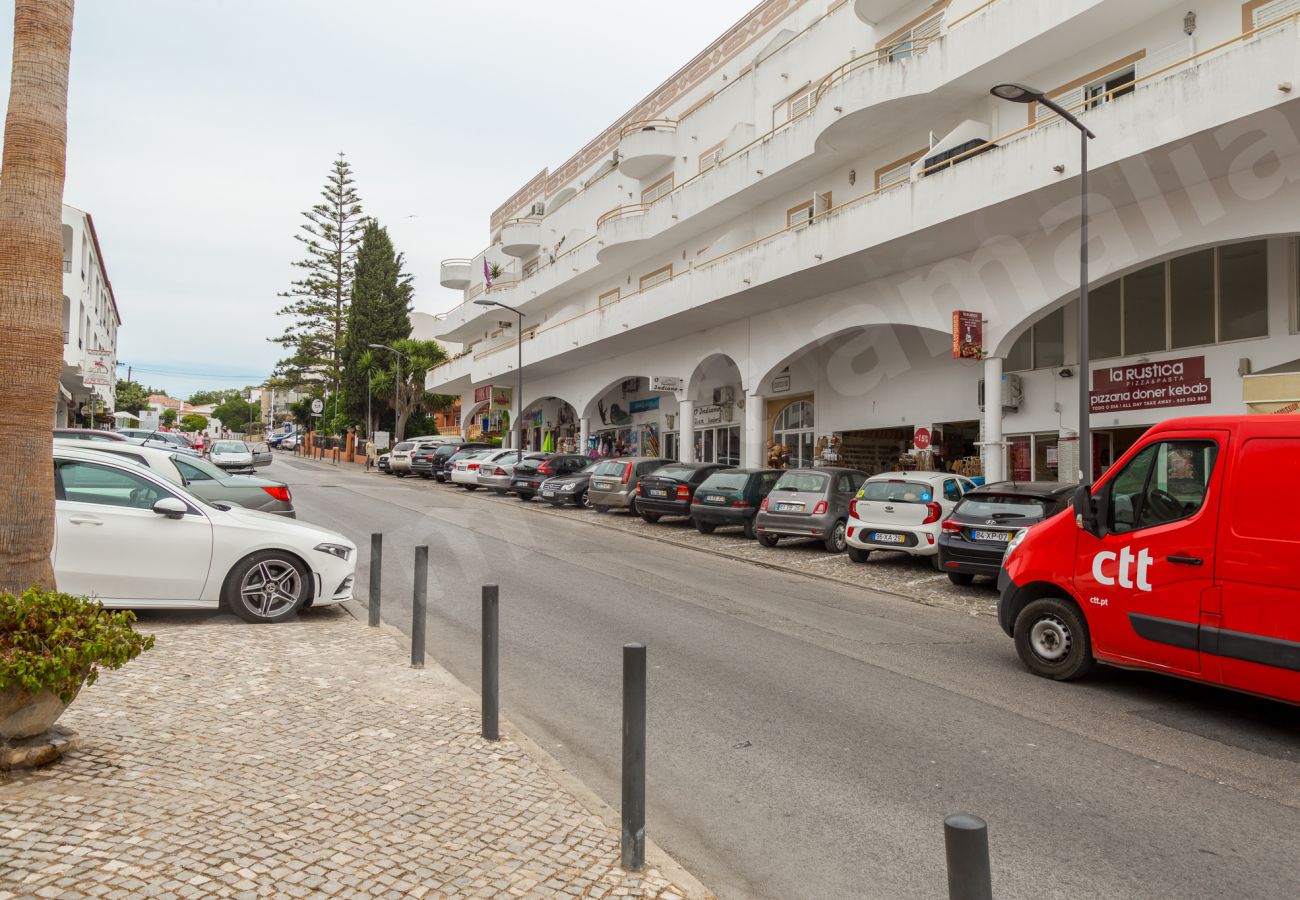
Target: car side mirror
[1085,510]
[171,508]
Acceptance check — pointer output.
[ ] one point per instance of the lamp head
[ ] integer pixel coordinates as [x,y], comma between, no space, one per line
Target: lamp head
[1017,93]
[486,302]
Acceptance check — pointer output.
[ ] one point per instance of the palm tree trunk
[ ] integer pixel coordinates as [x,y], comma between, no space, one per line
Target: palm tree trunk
[31,287]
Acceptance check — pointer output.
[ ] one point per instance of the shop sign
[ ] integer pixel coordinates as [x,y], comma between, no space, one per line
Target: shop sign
[780,384]
[1169,382]
[501,397]
[643,405]
[97,377]
[711,414]
[967,334]
[665,383]
[483,394]
[921,439]
[1287,410]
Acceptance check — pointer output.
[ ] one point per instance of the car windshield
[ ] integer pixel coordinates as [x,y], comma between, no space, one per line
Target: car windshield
[897,490]
[445,451]
[404,446]
[589,469]
[677,473]
[229,447]
[803,482]
[1003,506]
[725,481]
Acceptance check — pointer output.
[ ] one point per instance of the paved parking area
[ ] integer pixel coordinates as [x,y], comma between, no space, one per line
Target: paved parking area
[893,573]
[294,760]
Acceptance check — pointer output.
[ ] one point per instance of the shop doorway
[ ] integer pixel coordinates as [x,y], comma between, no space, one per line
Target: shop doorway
[875,450]
[718,445]
[957,448]
[793,428]
[1112,443]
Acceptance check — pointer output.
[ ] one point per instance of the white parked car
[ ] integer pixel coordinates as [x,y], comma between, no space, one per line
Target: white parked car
[903,511]
[233,456]
[465,471]
[134,540]
[399,458]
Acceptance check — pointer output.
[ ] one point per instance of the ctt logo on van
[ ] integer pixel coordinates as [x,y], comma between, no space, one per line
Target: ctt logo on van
[1110,568]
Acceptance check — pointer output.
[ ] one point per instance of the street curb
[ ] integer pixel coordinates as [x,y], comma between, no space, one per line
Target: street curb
[656,857]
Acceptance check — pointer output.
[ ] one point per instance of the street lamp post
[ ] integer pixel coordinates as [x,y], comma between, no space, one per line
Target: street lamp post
[397,384]
[1019,93]
[519,366]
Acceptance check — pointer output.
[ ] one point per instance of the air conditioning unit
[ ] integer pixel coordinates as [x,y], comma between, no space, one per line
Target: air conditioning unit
[538,209]
[722,395]
[1013,393]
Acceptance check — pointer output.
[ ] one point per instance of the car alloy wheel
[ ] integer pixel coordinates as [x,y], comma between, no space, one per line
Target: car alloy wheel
[836,542]
[267,587]
[585,501]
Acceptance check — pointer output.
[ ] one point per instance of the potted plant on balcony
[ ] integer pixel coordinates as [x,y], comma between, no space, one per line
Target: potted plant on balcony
[51,644]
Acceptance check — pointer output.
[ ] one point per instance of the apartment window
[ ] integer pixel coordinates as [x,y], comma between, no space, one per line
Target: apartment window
[1094,88]
[531,266]
[607,298]
[912,39]
[660,188]
[797,216]
[1042,346]
[801,102]
[711,157]
[1255,13]
[657,277]
[1109,88]
[898,171]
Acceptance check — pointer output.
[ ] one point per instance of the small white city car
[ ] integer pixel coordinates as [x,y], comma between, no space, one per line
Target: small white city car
[134,540]
[233,456]
[903,511]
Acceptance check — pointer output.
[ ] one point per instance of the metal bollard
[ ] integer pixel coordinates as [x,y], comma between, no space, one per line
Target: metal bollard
[418,599]
[376,570]
[491,673]
[966,843]
[633,812]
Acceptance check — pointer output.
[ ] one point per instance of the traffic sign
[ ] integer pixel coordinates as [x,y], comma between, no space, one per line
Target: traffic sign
[317,406]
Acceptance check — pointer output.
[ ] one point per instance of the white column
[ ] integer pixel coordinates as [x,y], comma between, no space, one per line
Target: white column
[994,452]
[755,452]
[686,431]
[584,432]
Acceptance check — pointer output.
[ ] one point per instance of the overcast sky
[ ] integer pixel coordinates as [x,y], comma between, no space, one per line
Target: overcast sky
[200,129]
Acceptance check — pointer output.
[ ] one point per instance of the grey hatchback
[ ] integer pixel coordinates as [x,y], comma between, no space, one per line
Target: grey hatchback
[809,503]
[613,482]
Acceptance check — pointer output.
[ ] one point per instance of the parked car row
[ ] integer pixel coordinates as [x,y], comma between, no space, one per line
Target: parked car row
[959,527]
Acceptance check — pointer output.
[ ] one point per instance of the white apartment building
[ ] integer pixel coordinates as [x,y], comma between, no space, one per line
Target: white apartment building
[90,324]
[772,245]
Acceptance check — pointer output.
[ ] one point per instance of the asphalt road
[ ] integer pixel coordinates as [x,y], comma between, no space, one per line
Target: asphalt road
[806,738]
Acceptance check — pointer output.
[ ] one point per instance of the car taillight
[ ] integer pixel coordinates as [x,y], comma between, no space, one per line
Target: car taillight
[545,469]
[627,474]
[853,509]
[950,525]
[499,471]
[639,491]
[683,492]
[471,466]
[279,492]
[933,512]
[820,508]
[696,499]
[763,505]
[741,504]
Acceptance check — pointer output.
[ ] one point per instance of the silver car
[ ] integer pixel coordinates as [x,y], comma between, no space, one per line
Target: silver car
[496,475]
[809,503]
[613,482]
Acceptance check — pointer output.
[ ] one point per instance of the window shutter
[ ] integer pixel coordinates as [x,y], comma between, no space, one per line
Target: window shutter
[1269,11]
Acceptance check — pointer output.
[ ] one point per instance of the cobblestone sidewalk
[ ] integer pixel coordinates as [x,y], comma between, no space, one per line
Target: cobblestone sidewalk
[296,760]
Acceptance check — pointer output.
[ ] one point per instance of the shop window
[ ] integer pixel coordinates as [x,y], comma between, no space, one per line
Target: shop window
[1191,299]
[1041,346]
[1105,337]
[1144,310]
[794,429]
[1243,291]
[1021,355]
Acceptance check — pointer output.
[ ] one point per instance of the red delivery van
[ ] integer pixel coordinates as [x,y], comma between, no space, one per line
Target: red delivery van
[1183,558]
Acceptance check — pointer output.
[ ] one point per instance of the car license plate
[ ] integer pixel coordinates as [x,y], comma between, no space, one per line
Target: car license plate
[603,485]
[715,498]
[658,492]
[1000,536]
[789,507]
[884,537]
[548,493]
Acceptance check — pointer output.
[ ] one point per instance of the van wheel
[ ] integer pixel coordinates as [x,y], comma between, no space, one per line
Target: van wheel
[704,527]
[961,579]
[858,554]
[836,541]
[768,540]
[1052,639]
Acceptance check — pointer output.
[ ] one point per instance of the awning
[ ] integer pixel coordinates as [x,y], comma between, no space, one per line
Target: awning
[1275,390]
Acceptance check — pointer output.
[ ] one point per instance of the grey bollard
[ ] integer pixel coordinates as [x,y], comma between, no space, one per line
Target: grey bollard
[376,570]
[966,843]
[419,597]
[634,703]
[491,667]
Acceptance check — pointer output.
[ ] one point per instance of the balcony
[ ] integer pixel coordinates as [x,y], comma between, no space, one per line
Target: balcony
[522,238]
[646,147]
[455,273]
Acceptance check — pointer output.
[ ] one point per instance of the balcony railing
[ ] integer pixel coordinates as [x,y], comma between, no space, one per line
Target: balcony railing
[648,125]
[1292,19]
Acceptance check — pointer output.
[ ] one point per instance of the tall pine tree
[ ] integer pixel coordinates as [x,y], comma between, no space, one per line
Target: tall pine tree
[317,306]
[380,313]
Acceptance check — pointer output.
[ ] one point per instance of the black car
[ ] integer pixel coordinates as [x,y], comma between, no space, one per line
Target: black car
[571,488]
[529,473]
[975,536]
[668,490]
[382,464]
[731,497]
[438,463]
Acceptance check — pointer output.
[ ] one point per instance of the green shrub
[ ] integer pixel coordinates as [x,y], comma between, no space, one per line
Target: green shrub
[53,641]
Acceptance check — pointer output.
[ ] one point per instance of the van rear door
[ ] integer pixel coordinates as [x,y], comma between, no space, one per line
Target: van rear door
[1142,581]
[1257,634]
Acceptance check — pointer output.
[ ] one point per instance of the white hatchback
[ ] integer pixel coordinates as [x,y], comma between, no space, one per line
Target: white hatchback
[134,540]
[465,472]
[903,511]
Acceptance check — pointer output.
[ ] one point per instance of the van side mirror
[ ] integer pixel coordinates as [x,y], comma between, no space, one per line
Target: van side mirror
[1085,510]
